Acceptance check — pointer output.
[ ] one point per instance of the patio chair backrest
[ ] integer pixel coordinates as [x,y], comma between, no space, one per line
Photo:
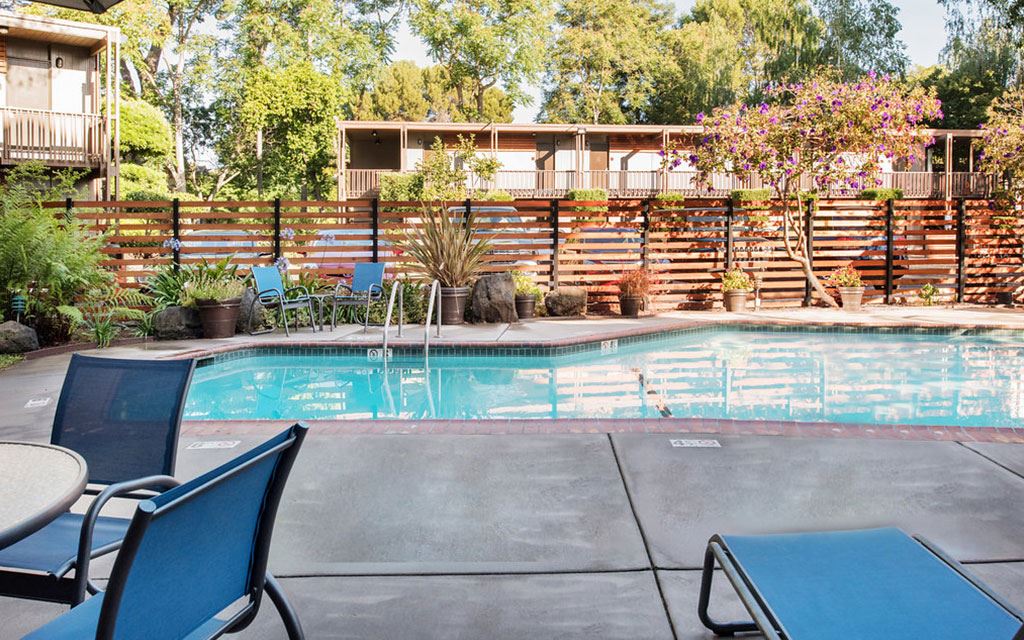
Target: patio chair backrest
[193,551]
[122,416]
[268,279]
[367,274]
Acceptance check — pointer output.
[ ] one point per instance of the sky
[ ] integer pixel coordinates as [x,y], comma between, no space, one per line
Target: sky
[923,32]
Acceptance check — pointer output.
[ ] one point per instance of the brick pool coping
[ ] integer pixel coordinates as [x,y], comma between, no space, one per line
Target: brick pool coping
[665,426]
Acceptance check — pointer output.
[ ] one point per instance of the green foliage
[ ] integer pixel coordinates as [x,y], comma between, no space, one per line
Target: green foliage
[927,294]
[144,326]
[861,36]
[881,194]
[670,196]
[750,195]
[1002,143]
[736,279]
[588,195]
[845,276]
[965,92]
[444,174]
[8,360]
[494,195]
[146,136]
[201,292]
[169,287]
[143,182]
[415,305]
[401,187]
[525,286]
[445,248]
[104,331]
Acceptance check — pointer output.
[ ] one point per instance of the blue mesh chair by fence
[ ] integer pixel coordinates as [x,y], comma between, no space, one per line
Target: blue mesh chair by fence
[367,287]
[271,293]
[193,564]
[873,583]
[123,418]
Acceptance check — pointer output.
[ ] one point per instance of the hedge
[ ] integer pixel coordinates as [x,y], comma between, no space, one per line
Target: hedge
[588,195]
[401,187]
[881,194]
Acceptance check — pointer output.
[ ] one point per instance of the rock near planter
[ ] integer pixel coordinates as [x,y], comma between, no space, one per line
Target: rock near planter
[17,338]
[566,301]
[177,323]
[493,299]
[260,316]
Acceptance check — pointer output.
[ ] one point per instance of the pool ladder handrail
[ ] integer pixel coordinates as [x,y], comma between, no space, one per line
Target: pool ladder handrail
[396,288]
[435,295]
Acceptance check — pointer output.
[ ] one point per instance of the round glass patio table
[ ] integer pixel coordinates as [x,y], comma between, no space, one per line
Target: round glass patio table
[38,482]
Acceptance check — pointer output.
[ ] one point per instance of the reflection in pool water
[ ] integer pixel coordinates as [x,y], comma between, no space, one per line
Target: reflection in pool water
[846,377]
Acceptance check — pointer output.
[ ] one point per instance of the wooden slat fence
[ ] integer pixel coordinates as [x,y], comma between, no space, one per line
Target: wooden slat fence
[964,248]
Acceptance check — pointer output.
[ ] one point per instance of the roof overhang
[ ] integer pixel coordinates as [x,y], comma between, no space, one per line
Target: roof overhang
[78,34]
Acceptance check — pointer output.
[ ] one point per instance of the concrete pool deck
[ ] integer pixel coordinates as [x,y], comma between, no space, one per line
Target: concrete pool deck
[591,535]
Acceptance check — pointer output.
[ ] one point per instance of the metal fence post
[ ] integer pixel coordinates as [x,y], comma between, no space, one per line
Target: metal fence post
[176,234]
[69,205]
[554,244]
[890,211]
[645,233]
[809,236]
[277,228]
[375,226]
[730,215]
[961,248]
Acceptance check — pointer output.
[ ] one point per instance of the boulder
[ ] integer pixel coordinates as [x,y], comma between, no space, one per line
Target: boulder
[17,338]
[177,323]
[566,301]
[260,316]
[493,299]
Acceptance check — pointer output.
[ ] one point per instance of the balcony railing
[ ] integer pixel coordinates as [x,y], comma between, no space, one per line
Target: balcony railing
[363,183]
[52,137]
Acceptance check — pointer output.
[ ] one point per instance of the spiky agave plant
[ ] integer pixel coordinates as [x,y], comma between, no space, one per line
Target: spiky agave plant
[443,246]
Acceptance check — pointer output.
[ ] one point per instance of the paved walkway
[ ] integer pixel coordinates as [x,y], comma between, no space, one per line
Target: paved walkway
[569,536]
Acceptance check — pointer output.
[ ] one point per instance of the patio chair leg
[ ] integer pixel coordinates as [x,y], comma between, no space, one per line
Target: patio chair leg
[718,628]
[284,608]
[334,314]
[312,318]
[284,319]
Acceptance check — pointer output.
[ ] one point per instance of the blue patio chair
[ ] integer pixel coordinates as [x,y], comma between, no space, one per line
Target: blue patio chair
[123,418]
[194,560]
[271,293]
[367,287]
[854,585]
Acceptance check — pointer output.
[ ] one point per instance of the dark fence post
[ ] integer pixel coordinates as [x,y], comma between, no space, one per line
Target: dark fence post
[809,236]
[961,248]
[176,234]
[730,240]
[890,214]
[554,244]
[645,233]
[277,228]
[375,226]
[69,205]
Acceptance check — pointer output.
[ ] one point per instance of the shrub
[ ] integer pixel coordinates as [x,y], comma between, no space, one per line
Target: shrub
[145,133]
[525,286]
[445,248]
[846,276]
[401,187]
[588,195]
[495,195]
[670,196]
[195,293]
[736,279]
[927,294]
[141,182]
[740,196]
[635,283]
[881,194]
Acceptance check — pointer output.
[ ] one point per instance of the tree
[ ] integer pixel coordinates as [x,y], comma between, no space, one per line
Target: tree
[602,63]
[833,132]
[861,36]
[965,95]
[1002,145]
[484,43]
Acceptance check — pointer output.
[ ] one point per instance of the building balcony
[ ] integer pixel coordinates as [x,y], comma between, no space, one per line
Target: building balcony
[365,183]
[57,139]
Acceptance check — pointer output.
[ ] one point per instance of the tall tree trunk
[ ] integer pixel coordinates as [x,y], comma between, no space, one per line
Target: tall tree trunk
[795,243]
[178,125]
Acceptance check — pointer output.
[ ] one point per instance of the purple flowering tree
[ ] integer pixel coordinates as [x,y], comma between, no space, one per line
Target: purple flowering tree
[1002,146]
[830,134]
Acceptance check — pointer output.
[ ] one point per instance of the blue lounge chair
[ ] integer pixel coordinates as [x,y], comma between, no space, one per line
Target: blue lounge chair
[366,288]
[271,293]
[874,584]
[194,560]
[123,418]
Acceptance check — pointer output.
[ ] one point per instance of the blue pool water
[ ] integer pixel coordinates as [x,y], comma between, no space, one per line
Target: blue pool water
[885,378]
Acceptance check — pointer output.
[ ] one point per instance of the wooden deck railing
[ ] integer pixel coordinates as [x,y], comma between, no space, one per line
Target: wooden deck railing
[53,137]
[963,247]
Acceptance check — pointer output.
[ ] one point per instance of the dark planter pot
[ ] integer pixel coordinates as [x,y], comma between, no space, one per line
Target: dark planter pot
[736,300]
[453,304]
[218,318]
[526,307]
[630,306]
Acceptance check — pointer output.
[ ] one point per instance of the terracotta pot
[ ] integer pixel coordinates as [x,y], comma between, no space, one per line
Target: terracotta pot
[218,318]
[735,300]
[852,297]
[453,304]
[526,307]
[630,306]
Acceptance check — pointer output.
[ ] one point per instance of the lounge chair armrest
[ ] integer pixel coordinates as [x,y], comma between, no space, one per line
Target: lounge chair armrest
[376,286]
[300,289]
[269,292]
[152,483]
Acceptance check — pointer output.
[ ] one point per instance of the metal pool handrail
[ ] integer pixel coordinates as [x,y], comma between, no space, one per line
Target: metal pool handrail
[435,294]
[396,287]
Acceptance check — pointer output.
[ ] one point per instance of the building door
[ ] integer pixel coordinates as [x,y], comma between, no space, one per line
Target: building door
[545,163]
[599,164]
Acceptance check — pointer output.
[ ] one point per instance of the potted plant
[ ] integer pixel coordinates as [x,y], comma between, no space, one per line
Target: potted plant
[851,288]
[217,302]
[634,286]
[443,246]
[527,295]
[736,288]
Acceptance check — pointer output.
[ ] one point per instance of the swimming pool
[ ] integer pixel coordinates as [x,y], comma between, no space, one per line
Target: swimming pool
[745,373]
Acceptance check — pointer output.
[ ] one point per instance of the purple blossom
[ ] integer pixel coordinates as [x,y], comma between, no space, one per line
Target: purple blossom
[288,233]
[281,264]
[173,244]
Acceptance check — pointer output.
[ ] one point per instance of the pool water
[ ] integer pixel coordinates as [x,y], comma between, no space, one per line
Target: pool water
[847,377]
